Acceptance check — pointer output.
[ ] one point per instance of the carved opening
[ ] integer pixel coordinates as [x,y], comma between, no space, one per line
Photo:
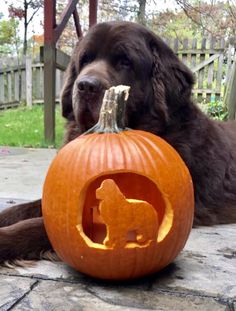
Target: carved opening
[131,236]
[135,188]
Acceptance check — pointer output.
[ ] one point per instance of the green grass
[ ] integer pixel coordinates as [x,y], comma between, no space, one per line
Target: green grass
[24,127]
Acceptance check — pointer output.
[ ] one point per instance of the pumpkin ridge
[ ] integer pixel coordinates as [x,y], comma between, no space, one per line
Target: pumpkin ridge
[142,142]
[148,138]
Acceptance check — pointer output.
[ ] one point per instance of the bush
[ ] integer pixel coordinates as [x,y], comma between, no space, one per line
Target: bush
[215,110]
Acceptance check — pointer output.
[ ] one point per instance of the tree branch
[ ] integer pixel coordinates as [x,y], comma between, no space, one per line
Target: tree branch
[32,16]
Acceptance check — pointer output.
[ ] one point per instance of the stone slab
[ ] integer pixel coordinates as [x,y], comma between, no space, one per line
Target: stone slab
[203,277]
[207,264]
[13,290]
[63,296]
[22,172]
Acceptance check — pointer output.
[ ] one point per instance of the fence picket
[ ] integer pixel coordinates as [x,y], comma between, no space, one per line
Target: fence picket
[201,71]
[176,45]
[16,88]
[23,85]
[9,86]
[2,91]
[194,56]
[185,55]
[210,73]
[229,62]
[28,74]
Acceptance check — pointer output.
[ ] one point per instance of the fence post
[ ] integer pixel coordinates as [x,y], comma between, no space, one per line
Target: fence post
[2,91]
[49,92]
[230,94]
[28,72]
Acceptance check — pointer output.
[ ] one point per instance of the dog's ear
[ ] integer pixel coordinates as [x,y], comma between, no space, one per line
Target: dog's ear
[66,93]
[159,107]
[180,90]
[172,81]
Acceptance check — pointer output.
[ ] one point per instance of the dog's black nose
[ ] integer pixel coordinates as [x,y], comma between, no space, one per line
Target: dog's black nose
[89,85]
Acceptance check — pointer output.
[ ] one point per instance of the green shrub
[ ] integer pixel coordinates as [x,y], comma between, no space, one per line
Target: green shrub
[215,110]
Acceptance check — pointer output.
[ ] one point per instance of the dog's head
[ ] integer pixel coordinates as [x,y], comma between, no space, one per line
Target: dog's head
[125,53]
[107,190]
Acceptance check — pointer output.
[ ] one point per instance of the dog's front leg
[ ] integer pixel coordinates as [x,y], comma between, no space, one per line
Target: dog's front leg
[26,239]
[20,212]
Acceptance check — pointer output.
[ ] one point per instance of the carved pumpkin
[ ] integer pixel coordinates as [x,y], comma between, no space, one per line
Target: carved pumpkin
[117,203]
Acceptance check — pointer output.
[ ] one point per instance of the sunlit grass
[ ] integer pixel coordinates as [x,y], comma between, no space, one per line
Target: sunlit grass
[24,127]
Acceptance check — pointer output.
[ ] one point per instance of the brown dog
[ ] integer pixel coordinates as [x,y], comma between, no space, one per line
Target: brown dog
[160,102]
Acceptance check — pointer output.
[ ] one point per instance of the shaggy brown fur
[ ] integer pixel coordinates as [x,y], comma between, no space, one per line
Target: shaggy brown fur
[160,102]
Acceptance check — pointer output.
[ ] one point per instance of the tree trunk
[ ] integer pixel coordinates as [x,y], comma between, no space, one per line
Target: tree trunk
[25,28]
[141,12]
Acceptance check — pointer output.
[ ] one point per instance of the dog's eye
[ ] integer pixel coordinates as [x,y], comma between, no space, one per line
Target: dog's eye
[123,62]
[86,59]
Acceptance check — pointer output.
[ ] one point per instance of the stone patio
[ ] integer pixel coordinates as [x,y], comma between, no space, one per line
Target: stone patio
[203,277]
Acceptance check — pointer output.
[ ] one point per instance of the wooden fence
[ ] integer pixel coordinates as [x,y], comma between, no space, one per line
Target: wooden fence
[210,60]
[24,82]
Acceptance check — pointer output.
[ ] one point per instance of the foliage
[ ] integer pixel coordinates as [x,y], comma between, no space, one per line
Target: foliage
[169,18]
[9,40]
[170,24]
[16,12]
[24,10]
[6,31]
[215,110]
[177,18]
[107,10]
[117,10]
[69,37]
[24,127]
[195,18]
[213,18]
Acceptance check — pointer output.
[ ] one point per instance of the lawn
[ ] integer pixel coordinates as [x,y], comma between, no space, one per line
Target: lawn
[24,127]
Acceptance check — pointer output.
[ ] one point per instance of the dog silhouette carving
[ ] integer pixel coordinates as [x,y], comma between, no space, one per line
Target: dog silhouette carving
[123,216]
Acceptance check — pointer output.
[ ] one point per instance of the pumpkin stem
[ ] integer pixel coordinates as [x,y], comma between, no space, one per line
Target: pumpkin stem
[112,113]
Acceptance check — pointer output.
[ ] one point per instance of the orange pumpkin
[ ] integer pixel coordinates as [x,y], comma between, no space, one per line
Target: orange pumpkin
[119,204]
